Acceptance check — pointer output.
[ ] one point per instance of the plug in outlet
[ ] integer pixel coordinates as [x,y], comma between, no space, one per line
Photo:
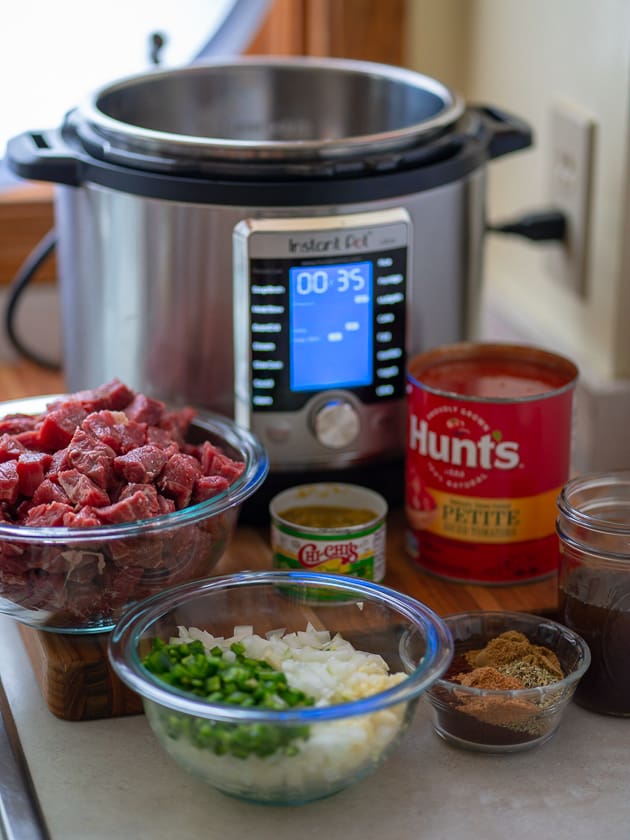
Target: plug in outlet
[571,163]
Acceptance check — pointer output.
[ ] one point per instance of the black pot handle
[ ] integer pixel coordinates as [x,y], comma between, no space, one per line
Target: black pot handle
[508,133]
[43,156]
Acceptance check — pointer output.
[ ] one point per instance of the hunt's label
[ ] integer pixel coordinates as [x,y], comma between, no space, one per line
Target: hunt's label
[483,473]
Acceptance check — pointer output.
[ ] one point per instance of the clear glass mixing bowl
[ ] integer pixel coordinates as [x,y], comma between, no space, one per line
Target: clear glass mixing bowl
[331,746]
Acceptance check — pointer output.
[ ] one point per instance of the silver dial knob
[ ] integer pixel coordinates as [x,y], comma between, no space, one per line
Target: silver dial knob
[336,424]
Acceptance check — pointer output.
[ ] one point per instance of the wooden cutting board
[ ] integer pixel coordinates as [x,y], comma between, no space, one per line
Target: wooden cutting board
[75,677]
[78,683]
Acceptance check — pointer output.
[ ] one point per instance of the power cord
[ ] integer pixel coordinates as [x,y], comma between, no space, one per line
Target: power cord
[539,226]
[29,267]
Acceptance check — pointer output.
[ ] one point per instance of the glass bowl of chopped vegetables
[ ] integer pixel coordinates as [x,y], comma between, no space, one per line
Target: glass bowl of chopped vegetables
[510,680]
[271,694]
[108,496]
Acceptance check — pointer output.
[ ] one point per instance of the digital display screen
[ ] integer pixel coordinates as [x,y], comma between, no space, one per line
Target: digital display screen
[331,326]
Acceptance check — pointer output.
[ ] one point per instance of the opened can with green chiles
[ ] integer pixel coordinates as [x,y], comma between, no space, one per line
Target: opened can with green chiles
[329,527]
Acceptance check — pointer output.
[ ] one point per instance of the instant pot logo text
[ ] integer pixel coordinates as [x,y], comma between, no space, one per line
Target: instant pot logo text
[311,555]
[345,242]
[456,448]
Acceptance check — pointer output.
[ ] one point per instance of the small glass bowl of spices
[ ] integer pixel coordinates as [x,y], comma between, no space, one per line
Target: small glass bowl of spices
[510,680]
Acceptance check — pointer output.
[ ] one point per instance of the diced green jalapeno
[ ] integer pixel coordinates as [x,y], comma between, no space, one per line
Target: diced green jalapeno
[245,682]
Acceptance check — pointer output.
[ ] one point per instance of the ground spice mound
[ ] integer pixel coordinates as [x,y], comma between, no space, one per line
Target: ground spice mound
[488,677]
[511,712]
[513,654]
[530,674]
[508,662]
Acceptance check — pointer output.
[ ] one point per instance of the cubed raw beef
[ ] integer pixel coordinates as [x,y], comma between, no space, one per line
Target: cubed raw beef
[10,447]
[208,486]
[83,566]
[132,435]
[47,556]
[150,553]
[114,429]
[31,469]
[120,583]
[215,462]
[48,591]
[29,438]
[57,427]
[149,491]
[141,465]
[91,457]
[11,558]
[163,439]
[85,517]
[166,505]
[58,462]
[144,409]
[20,511]
[18,589]
[130,509]
[113,395]
[43,516]
[83,600]
[186,557]
[159,437]
[13,424]
[177,423]
[81,490]
[9,482]
[178,478]
[50,491]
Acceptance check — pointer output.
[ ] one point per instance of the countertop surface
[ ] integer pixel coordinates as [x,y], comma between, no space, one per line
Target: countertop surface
[104,779]
[108,778]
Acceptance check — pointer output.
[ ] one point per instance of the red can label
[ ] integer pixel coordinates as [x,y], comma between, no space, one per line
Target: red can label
[482,479]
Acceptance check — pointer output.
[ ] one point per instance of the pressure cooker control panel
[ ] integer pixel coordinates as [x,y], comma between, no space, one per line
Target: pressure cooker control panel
[320,334]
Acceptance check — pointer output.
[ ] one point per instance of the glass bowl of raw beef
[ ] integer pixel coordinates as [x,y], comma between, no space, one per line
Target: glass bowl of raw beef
[280,687]
[108,496]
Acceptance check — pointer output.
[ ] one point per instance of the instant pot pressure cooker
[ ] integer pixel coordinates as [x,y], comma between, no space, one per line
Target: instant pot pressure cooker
[271,239]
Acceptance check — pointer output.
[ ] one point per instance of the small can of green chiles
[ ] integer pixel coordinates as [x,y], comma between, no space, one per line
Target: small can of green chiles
[330,527]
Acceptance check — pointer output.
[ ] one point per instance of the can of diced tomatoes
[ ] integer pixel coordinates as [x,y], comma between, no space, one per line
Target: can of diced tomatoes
[488,450]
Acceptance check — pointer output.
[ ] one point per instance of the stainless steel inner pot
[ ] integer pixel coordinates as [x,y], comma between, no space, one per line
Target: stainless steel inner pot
[271,108]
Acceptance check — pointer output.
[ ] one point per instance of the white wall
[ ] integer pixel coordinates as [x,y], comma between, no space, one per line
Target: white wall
[523,56]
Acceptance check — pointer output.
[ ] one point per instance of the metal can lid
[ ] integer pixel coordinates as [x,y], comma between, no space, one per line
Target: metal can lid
[492,371]
[331,495]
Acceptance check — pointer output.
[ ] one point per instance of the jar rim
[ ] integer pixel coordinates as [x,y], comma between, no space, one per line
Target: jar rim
[594,502]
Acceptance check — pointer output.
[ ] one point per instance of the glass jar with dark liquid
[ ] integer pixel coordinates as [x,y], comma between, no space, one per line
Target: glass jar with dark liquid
[593,525]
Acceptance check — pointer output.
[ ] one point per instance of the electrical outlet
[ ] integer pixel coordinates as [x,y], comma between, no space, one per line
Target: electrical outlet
[571,164]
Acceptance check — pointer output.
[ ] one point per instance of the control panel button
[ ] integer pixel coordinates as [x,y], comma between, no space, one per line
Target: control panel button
[336,424]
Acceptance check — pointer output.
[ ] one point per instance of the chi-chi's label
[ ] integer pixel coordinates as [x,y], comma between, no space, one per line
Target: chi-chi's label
[362,555]
[311,555]
[482,479]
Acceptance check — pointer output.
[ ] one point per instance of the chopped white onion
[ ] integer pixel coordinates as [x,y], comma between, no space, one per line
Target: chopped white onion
[326,667]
